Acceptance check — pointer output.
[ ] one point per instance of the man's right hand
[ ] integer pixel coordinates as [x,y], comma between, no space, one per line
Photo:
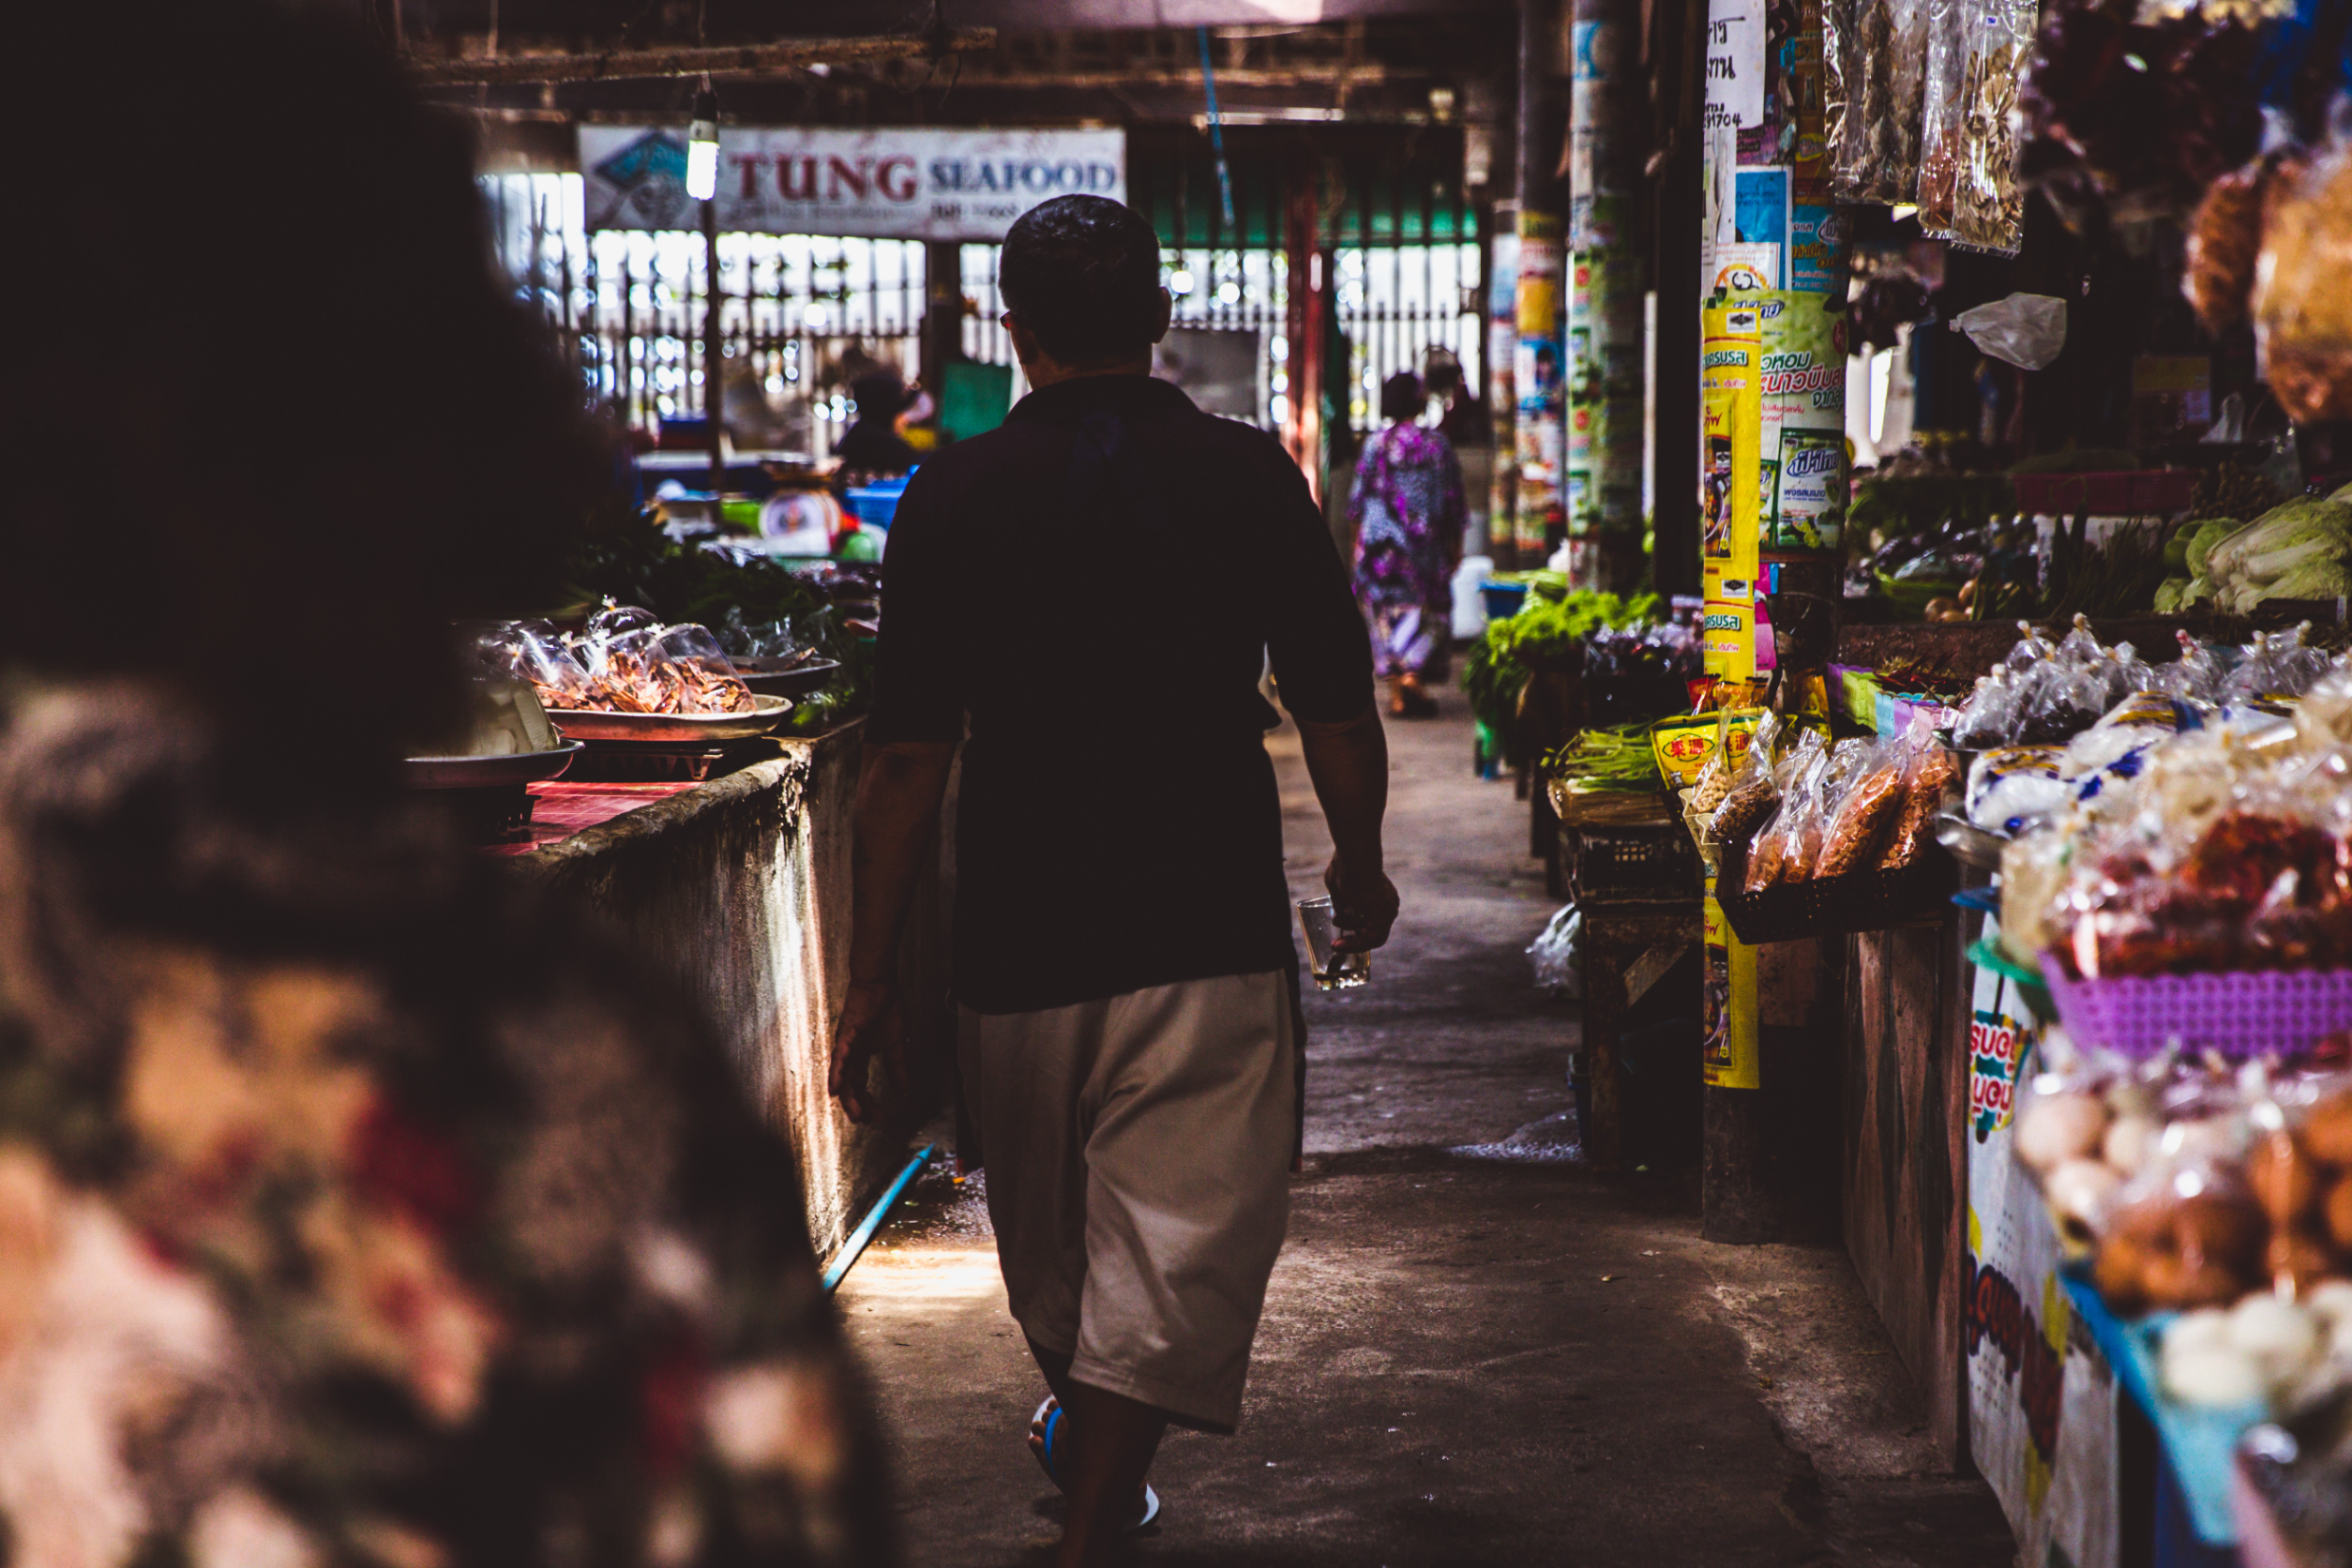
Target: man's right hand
[1363,905]
[872,1025]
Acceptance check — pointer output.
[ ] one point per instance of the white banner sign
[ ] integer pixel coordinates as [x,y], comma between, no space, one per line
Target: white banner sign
[891,184]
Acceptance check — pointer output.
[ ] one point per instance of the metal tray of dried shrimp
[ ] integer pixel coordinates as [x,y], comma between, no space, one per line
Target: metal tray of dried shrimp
[601,724]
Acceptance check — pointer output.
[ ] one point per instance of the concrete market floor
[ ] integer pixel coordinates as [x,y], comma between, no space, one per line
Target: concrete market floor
[1471,1354]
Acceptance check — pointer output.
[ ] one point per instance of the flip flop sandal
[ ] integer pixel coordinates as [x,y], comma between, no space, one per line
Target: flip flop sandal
[1049,1418]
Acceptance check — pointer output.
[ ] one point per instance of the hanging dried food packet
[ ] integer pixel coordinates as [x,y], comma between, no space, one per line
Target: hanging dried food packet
[1785,853]
[1754,793]
[1968,192]
[1939,114]
[1877,158]
[1928,778]
[1858,834]
[1841,74]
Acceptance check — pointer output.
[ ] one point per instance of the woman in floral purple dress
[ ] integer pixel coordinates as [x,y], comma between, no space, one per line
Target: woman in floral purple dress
[1408,511]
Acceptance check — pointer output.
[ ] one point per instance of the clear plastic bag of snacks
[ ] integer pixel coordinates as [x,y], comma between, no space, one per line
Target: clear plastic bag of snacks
[1989,719]
[2275,664]
[2086,1125]
[709,683]
[2063,698]
[2016,787]
[2195,676]
[1755,791]
[1865,818]
[1786,851]
[1797,779]
[2186,1233]
[1929,777]
[2299,1169]
[2324,717]
[2223,863]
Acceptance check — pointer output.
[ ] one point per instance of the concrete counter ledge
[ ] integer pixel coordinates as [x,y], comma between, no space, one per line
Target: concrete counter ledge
[739,889]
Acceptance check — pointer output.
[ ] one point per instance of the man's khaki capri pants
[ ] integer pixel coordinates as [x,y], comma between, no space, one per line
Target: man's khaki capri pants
[1138,1151]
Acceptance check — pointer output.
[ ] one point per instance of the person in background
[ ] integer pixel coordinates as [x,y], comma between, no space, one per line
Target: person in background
[357,1206]
[1407,512]
[1123,954]
[872,445]
[1463,419]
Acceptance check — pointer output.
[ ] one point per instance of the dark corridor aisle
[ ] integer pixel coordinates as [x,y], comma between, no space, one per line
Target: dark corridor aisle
[1469,1356]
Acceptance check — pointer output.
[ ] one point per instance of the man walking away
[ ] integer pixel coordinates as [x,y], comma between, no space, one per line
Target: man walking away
[1093,588]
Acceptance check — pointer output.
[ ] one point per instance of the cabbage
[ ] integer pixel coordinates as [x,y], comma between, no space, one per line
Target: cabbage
[2296,522]
[2168,595]
[2271,564]
[2313,579]
[2201,543]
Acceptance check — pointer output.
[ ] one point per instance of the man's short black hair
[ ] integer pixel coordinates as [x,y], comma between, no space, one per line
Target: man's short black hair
[1083,274]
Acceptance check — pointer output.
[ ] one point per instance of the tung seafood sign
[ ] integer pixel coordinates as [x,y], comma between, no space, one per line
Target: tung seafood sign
[886,183]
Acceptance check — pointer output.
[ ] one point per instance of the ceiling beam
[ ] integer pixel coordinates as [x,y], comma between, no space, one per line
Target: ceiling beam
[1336,73]
[512,70]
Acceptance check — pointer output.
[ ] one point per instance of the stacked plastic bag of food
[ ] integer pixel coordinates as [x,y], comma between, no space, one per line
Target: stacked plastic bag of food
[1819,811]
[624,661]
[2221,1194]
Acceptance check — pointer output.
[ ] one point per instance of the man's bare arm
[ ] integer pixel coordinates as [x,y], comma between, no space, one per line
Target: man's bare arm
[899,787]
[1348,764]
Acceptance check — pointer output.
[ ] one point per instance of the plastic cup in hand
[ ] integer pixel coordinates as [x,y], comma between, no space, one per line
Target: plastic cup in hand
[1333,971]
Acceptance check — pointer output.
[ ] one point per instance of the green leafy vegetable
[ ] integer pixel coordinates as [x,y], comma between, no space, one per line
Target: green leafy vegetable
[1541,636]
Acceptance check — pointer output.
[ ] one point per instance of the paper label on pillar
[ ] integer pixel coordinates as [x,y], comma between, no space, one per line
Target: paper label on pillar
[1760,206]
[2041,1401]
[1729,1057]
[1816,250]
[1730,393]
[1503,283]
[1745,268]
[1727,626]
[1735,62]
[1802,445]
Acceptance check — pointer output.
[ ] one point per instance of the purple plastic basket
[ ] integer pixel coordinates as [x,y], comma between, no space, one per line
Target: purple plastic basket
[2241,1015]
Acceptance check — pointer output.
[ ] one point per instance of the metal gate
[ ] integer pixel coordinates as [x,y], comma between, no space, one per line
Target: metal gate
[801,314]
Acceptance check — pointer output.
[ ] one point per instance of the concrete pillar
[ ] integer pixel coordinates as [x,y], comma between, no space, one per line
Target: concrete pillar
[1603,359]
[1540,439]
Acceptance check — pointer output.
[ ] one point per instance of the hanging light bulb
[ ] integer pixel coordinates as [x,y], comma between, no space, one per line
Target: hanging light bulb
[702,145]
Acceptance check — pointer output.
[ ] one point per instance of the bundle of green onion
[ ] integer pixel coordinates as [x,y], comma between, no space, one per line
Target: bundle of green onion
[1600,762]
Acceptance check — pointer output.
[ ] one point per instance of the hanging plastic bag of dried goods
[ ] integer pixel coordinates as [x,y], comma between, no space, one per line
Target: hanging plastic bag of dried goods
[2303,310]
[1968,192]
[1967,137]
[2026,330]
[1876,159]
